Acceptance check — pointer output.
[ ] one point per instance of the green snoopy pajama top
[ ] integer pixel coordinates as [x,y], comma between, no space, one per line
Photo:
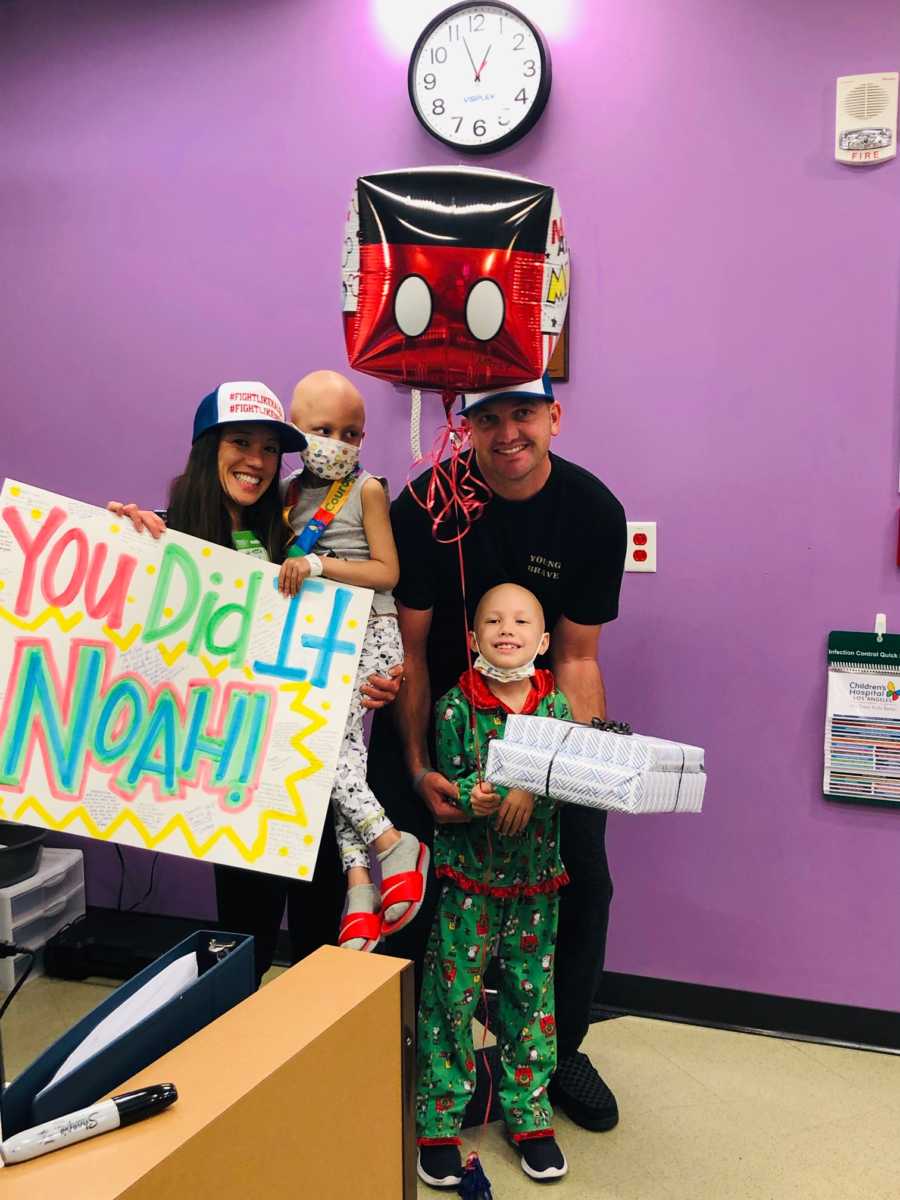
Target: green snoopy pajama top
[499,898]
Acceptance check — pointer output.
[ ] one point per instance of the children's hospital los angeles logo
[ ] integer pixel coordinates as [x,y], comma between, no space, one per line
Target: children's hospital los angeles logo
[868,692]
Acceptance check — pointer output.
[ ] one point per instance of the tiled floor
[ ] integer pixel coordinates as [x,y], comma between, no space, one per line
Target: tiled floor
[706,1114]
[712,1115]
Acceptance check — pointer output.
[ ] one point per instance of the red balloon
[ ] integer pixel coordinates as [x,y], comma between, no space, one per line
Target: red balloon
[454,279]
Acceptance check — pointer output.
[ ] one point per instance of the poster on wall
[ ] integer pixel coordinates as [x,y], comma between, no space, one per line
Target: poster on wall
[862,719]
[164,694]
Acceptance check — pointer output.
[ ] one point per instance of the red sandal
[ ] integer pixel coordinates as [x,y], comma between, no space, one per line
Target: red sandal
[361,925]
[406,886]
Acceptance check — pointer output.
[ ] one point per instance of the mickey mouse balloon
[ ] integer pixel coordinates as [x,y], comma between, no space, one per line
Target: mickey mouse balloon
[454,279]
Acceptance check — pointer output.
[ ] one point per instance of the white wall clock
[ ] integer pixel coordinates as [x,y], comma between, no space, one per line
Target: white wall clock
[479,77]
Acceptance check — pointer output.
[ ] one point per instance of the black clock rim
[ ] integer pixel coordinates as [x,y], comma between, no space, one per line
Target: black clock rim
[540,101]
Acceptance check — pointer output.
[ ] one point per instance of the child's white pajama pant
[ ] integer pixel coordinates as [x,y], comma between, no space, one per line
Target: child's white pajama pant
[358,817]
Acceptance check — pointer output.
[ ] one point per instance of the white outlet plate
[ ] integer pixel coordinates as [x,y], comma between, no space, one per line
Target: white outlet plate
[641,552]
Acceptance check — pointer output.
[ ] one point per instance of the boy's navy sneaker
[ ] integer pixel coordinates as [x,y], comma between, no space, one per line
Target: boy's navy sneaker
[541,1158]
[440,1166]
[576,1088]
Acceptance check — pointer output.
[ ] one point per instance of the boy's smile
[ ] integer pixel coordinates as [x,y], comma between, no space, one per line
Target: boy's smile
[509,626]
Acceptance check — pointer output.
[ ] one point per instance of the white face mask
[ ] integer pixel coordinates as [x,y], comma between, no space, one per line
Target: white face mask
[328,458]
[509,674]
[503,674]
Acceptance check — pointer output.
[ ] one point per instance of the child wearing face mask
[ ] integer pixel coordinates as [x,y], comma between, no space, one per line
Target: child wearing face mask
[501,873]
[340,529]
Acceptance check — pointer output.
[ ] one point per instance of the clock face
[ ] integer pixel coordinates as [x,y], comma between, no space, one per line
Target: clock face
[479,77]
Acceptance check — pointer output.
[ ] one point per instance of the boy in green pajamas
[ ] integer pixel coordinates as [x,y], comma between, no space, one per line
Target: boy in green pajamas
[501,873]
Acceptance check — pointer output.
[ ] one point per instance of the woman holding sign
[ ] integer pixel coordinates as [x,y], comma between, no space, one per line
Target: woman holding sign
[228,494]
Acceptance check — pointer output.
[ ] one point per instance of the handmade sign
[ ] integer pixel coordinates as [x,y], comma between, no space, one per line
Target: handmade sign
[596,768]
[164,694]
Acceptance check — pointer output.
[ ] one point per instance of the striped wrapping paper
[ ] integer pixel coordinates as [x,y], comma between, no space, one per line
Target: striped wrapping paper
[593,783]
[636,749]
[595,768]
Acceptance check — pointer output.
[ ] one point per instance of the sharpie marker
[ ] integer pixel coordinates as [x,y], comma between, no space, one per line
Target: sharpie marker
[88,1122]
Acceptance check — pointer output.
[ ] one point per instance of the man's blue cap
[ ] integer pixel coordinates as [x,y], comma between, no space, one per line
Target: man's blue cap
[252,403]
[537,389]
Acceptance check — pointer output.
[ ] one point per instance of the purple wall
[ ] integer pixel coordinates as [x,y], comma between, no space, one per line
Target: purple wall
[172,190]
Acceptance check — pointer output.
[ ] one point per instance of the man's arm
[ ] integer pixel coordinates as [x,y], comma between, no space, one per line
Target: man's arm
[412,711]
[413,704]
[573,652]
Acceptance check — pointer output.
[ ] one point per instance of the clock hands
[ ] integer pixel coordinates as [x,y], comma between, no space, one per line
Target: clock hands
[477,70]
[483,61]
[471,59]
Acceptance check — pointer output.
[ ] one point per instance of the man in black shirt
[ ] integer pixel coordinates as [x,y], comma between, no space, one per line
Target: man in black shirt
[558,531]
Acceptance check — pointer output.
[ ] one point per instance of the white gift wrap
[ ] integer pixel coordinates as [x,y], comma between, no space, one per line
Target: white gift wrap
[634,750]
[622,773]
[592,783]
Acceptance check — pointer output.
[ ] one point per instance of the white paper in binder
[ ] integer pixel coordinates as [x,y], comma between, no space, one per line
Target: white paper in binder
[596,768]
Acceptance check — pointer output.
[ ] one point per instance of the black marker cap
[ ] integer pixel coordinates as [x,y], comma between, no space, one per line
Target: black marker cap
[135,1106]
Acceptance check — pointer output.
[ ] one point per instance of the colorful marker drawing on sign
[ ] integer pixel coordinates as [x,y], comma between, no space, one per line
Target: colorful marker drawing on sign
[163,694]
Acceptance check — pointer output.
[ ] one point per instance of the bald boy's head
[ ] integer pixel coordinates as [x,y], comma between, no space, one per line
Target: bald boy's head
[510,595]
[325,399]
[508,629]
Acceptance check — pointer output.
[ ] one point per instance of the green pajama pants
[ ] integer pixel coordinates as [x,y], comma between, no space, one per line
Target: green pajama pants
[468,931]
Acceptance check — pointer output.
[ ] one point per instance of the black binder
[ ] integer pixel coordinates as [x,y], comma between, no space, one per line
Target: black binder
[226,976]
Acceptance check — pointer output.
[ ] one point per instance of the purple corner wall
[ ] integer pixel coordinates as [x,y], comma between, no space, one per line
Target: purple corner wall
[172,190]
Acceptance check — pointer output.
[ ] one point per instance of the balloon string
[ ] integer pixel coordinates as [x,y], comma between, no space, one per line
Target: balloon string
[489,874]
[456,496]
[415,424]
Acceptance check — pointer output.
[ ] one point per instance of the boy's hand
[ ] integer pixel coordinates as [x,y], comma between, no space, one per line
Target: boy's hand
[139,517]
[515,812]
[485,800]
[290,577]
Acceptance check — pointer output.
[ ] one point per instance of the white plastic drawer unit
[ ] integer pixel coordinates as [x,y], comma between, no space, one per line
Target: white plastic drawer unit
[59,874]
[40,927]
[32,911]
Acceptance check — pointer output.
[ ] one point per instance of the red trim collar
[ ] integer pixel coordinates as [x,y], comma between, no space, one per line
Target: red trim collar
[476,691]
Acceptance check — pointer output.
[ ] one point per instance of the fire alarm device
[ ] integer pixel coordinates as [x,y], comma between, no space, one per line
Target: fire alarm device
[866,119]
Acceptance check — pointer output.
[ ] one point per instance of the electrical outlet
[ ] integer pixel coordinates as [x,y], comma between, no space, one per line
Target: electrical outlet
[641,552]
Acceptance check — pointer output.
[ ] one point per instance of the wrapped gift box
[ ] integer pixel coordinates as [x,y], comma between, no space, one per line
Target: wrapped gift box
[596,768]
[636,749]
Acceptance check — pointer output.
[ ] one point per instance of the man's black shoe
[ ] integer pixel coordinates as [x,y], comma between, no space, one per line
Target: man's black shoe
[576,1088]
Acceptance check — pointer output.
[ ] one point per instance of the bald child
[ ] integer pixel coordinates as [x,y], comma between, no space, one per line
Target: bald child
[500,874]
[338,516]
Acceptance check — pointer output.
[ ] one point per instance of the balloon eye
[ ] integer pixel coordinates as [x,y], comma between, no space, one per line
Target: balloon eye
[412,306]
[485,310]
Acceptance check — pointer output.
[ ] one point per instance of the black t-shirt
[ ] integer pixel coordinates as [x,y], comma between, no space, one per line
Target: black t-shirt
[566,544]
